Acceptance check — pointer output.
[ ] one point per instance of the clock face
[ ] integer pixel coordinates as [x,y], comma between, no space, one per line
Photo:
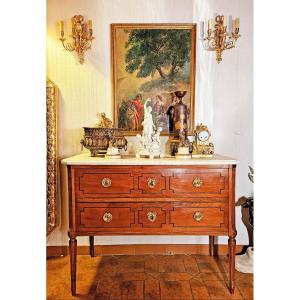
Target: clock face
[203,136]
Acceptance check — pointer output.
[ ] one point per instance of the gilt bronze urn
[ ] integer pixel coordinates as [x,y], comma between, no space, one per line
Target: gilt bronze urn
[97,139]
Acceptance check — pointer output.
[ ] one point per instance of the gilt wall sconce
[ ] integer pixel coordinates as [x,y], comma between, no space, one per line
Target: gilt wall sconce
[82,34]
[220,36]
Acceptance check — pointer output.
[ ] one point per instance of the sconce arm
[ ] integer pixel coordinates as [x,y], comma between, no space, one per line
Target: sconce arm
[67,45]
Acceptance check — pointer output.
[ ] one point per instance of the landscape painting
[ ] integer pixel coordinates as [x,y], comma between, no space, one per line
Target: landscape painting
[152,61]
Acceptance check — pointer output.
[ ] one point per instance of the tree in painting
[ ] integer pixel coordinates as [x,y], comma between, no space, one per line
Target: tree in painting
[165,51]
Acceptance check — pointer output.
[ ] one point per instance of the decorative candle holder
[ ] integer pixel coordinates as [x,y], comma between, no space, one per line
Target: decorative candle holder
[222,37]
[82,34]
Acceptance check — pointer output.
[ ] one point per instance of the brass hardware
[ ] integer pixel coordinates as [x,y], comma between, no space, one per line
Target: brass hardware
[151,182]
[107,217]
[222,37]
[82,34]
[106,182]
[198,216]
[151,216]
[197,182]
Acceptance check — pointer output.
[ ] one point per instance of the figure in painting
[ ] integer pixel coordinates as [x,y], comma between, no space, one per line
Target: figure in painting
[123,106]
[130,113]
[159,113]
[170,112]
[137,102]
[132,118]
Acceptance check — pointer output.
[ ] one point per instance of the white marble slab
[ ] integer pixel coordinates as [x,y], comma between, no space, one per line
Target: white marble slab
[86,159]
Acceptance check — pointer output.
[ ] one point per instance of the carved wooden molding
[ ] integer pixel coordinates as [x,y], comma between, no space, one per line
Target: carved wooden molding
[52,164]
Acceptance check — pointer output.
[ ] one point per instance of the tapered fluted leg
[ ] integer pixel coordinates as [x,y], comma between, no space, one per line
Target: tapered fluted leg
[211,245]
[231,252]
[73,253]
[92,248]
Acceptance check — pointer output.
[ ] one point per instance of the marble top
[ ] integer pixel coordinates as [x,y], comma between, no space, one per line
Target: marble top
[86,159]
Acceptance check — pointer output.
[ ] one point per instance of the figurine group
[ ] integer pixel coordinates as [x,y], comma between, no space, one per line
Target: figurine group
[149,141]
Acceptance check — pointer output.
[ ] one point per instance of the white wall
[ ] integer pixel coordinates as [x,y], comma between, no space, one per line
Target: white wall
[223,91]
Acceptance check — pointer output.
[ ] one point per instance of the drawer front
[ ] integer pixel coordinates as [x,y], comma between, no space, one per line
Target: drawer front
[152,218]
[199,183]
[151,183]
[198,216]
[95,183]
[105,183]
[106,217]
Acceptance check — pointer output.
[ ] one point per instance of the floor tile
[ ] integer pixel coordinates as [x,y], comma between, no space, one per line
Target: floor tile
[175,290]
[218,290]
[199,290]
[151,291]
[171,265]
[247,292]
[132,290]
[190,264]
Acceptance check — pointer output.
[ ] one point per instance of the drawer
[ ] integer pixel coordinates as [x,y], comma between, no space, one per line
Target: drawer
[151,183]
[90,183]
[198,216]
[103,216]
[204,182]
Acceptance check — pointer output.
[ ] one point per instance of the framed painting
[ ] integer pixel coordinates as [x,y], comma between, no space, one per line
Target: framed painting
[152,61]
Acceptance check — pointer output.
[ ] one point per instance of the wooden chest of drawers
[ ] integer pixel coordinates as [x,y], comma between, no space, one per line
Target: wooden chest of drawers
[131,196]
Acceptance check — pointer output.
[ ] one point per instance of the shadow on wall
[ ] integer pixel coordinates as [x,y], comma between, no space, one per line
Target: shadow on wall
[245,219]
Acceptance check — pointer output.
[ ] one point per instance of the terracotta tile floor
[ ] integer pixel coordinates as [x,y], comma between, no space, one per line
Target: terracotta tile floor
[146,277]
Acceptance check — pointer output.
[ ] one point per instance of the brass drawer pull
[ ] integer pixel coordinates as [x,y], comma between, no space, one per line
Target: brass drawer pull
[151,216]
[106,182]
[198,216]
[151,182]
[197,182]
[107,217]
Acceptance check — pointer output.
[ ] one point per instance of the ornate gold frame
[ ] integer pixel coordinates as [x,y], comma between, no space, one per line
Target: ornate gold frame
[191,26]
[52,161]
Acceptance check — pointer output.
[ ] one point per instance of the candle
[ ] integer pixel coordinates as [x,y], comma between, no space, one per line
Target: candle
[61,25]
[237,23]
[224,21]
[230,24]
[209,23]
[90,24]
[202,28]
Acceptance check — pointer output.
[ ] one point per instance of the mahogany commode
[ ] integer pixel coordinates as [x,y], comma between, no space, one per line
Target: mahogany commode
[166,196]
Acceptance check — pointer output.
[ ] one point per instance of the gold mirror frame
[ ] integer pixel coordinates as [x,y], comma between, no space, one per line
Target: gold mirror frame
[52,161]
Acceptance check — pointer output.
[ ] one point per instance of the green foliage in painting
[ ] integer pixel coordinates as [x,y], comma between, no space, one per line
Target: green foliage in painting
[165,51]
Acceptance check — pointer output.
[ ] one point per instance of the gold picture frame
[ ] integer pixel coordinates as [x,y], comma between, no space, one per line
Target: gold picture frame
[136,76]
[52,156]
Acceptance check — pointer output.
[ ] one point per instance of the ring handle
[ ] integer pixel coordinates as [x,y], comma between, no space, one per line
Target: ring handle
[198,216]
[107,217]
[197,182]
[151,216]
[151,181]
[106,182]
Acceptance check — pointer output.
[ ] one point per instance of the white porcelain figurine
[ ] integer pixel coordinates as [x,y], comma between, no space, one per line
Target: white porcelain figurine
[149,142]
